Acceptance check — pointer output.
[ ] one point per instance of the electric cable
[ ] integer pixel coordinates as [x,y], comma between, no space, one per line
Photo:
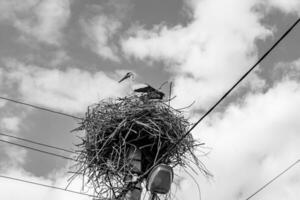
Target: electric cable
[230,89]
[239,81]
[47,186]
[37,143]
[273,179]
[40,108]
[38,150]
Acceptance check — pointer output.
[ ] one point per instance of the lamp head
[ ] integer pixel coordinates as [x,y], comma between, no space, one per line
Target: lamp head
[160,179]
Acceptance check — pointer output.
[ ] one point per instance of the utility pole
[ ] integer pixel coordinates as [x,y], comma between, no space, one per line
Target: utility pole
[136,157]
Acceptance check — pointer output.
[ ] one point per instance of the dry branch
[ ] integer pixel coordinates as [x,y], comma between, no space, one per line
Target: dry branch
[116,128]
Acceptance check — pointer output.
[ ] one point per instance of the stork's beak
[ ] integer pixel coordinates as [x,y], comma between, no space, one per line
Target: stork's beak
[128,75]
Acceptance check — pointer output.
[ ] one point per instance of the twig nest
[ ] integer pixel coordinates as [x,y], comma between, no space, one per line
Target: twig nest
[116,129]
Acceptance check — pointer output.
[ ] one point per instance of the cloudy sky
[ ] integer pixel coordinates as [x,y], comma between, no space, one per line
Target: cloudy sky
[68,54]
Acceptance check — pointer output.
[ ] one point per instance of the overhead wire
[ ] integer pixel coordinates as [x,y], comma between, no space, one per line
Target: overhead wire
[35,142]
[273,179]
[230,90]
[239,81]
[47,186]
[40,108]
[38,150]
[41,151]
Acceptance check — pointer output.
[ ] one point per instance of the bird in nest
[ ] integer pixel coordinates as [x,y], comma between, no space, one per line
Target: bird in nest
[150,92]
[128,75]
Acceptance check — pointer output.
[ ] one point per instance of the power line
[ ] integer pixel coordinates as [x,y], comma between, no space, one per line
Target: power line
[38,150]
[48,186]
[38,143]
[40,108]
[232,88]
[273,179]
[240,80]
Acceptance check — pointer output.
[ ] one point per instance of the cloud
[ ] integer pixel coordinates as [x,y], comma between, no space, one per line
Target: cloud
[14,156]
[42,20]
[70,90]
[207,55]
[287,6]
[2,103]
[256,138]
[251,143]
[287,70]
[103,23]
[101,31]
[59,58]
[10,123]
[12,166]
[28,191]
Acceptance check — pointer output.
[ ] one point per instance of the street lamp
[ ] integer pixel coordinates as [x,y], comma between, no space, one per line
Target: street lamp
[159,180]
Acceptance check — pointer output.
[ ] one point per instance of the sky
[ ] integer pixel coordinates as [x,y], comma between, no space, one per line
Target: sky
[68,54]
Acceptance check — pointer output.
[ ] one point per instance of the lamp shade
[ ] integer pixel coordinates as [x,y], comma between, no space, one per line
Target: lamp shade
[160,179]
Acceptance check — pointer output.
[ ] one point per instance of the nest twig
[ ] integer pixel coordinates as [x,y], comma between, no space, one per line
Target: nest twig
[114,129]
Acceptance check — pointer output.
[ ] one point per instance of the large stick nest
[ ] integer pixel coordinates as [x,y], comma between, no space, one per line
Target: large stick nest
[116,129]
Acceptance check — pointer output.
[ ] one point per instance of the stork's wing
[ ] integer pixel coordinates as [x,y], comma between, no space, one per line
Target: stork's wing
[146,89]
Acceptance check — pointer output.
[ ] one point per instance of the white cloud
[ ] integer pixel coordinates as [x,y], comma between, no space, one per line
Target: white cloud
[287,70]
[59,58]
[2,103]
[208,54]
[70,90]
[28,191]
[101,31]
[285,5]
[10,9]
[10,123]
[251,143]
[43,20]
[103,23]
[1,75]
[12,167]
[16,157]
